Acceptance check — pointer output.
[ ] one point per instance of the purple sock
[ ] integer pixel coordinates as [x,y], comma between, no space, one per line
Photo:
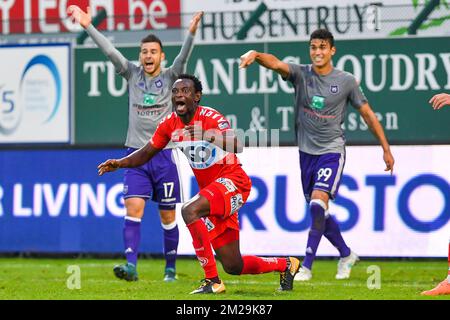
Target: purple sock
[171,237]
[333,234]
[315,234]
[131,239]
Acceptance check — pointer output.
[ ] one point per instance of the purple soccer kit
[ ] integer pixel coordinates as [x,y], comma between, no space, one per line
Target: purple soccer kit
[149,101]
[321,172]
[321,102]
[159,181]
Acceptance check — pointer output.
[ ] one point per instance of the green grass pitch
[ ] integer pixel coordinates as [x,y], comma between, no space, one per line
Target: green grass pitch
[27,278]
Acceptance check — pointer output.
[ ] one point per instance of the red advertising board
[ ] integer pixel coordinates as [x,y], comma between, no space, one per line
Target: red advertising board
[49,16]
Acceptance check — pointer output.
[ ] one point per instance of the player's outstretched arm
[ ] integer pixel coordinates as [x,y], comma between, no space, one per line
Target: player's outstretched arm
[136,159]
[267,60]
[440,100]
[85,20]
[374,125]
[180,61]
[79,16]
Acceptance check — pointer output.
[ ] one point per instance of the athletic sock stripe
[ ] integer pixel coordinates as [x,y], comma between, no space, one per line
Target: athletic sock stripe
[169,226]
[133,219]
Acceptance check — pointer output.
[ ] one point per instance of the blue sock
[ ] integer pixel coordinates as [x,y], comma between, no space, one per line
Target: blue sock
[317,210]
[171,236]
[131,239]
[333,234]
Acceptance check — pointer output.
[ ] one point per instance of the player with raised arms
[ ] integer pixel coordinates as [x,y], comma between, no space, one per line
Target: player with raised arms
[149,86]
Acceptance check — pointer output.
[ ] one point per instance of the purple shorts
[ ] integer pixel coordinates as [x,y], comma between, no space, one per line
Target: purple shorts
[158,179]
[321,172]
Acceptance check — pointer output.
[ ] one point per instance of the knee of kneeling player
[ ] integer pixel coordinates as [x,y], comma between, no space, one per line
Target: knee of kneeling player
[234,268]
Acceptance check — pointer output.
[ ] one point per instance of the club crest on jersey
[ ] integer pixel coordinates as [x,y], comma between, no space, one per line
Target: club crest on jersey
[334,89]
[158,84]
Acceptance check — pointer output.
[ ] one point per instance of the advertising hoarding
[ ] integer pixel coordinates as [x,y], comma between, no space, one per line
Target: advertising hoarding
[35,97]
[65,207]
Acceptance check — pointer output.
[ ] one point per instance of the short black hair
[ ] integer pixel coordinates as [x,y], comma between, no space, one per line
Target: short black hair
[152,38]
[323,34]
[197,83]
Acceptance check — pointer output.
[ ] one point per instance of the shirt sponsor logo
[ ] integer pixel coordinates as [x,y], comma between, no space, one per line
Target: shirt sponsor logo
[317,102]
[201,155]
[149,99]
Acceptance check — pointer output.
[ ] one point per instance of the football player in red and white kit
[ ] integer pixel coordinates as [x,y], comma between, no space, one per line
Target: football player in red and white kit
[210,145]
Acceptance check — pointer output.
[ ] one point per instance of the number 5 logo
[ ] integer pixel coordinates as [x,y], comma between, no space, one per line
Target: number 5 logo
[324,172]
[7,101]
[9,114]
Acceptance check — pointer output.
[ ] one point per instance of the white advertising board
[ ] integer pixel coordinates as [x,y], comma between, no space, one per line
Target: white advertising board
[294,20]
[35,94]
[403,215]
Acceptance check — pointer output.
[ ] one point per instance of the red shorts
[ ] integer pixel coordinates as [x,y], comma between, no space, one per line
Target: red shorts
[226,237]
[226,195]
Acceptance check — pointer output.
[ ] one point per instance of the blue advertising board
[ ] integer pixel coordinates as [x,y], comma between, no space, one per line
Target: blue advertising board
[54,201]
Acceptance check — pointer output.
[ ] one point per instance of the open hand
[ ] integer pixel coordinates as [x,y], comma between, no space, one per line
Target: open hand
[108,166]
[78,15]
[389,160]
[193,132]
[195,21]
[440,100]
[248,58]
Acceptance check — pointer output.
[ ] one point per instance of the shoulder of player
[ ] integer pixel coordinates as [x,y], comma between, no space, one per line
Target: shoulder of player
[344,75]
[135,67]
[209,114]
[299,66]
[171,117]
